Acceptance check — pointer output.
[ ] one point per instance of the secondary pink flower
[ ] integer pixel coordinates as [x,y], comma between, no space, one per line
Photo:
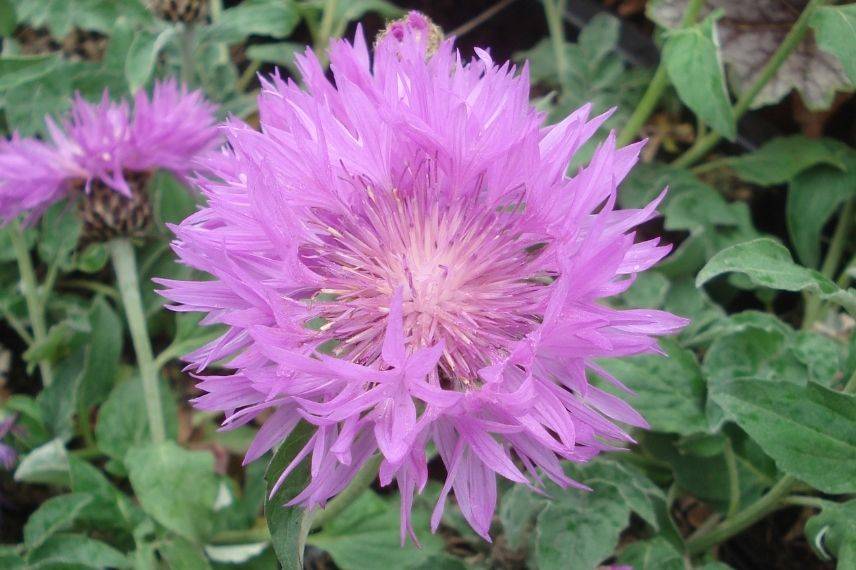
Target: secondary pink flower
[401,259]
[103,143]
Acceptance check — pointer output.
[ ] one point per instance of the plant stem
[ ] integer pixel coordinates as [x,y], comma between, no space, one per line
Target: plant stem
[259,533]
[325,29]
[831,261]
[791,41]
[802,501]
[125,265]
[553,11]
[850,387]
[186,39]
[655,89]
[362,480]
[247,76]
[733,479]
[35,305]
[743,519]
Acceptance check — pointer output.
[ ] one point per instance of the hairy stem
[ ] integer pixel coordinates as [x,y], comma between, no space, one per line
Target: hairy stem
[554,10]
[30,290]
[733,479]
[655,89]
[125,265]
[791,41]
[352,492]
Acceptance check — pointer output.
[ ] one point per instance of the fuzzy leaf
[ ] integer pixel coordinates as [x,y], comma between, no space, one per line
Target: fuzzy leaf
[783,158]
[749,33]
[693,63]
[809,431]
[835,30]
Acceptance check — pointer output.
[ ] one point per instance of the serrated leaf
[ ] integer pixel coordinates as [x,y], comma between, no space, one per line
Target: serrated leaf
[809,431]
[274,18]
[832,530]
[75,551]
[781,159]
[813,198]
[368,531]
[653,554]
[692,60]
[175,486]
[749,33]
[54,515]
[769,264]
[45,464]
[122,420]
[102,364]
[19,70]
[835,30]
[669,390]
[288,525]
[142,55]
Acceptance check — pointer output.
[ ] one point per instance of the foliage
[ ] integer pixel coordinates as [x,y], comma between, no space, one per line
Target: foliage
[750,410]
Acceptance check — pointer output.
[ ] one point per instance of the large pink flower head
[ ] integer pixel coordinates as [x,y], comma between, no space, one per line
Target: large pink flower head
[103,143]
[401,259]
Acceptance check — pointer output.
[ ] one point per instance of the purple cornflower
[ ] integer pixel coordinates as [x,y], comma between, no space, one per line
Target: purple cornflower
[8,455]
[400,260]
[101,145]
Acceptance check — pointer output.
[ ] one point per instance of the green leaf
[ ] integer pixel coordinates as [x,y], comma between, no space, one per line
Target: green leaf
[809,431]
[281,53]
[19,70]
[781,159]
[102,365]
[813,198]
[286,523]
[110,509]
[142,55]
[173,202]
[653,554]
[583,529]
[10,559]
[669,390]
[180,554]
[368,531]
[59,400]
[8,18]
[60,228]
[122,420]
[46,464]
[54,515]
[769,264]
[76,551]
[274,18]
[93,258]
[176,487]
[694,65]
[834,30]
[832,530]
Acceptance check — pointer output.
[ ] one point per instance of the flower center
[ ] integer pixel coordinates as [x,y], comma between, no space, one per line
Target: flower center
[467,274]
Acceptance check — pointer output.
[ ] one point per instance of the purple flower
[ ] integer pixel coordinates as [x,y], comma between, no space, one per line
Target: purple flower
[8,455]
[401,260]
[103,143]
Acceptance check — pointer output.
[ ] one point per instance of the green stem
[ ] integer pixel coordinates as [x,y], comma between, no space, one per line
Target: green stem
[247,76]
[850,387]
[743,519]
[803,501]
[553,11]
[791,41]
[655,89]
[30,290]
[325,29]
[733,479]
[831,261]
[188,68]
[125,265]
[254,534]
[362,481]
[93,286]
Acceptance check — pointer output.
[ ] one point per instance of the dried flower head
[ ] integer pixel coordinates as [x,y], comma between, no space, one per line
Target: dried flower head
[105,153]
[401,259]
